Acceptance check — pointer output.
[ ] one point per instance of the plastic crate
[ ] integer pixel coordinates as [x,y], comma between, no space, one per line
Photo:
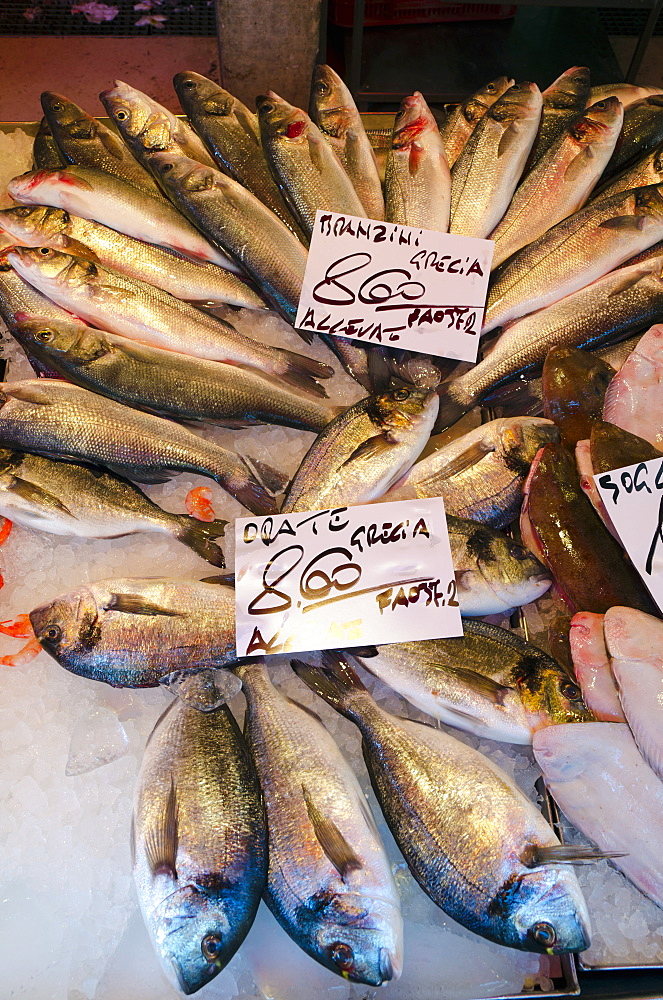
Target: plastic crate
[383,12]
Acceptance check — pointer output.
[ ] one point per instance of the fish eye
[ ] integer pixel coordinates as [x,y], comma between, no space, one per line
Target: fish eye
[53,633]
[45,251]
[44,336]
[342,955]
[267,107]
[518,552]
[570,690]
[401,394]
[166,168]
[22,211]
[321,88]
[600,104]
[544,934]
[189,85]
[400,113]
[122,115]
[491,88]
[210,947]
[57,107]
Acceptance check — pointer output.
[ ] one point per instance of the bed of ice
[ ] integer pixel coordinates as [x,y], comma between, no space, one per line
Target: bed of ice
[70,928]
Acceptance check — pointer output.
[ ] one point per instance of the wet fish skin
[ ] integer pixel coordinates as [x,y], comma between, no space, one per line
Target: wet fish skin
[574,387]
[473,878]
[330,884]
[485,175]
[613,447]
[199,847]
[562,180]
[335,113]
[562,101]
[642,131]
[232,136]
[627,93]
[460,124]
[131,632]
[45,152]
[53,418]
[647,170]
[633,398]
[193,281]
[592,667]
[364,451]
[306,168]
[417,177]
[84,140]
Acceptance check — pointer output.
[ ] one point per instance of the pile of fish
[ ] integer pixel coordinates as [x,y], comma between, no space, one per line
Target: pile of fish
[130,250]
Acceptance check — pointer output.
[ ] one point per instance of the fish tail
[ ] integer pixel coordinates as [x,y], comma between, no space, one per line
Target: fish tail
[334,680]
[302,372]
[201,537]
[517,399]
[252,495]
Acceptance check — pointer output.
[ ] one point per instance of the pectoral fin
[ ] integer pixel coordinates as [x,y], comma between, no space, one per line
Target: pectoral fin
[161,839]
[135,604]
[316,153]
[578,165]
[111,144]
[331,840]
[35,494]
[486,687]
[571,854]
[625,223]
[464,460]
[29,394]
[370,448]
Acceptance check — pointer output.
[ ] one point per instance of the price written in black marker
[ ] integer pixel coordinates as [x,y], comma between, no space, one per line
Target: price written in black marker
[348,576]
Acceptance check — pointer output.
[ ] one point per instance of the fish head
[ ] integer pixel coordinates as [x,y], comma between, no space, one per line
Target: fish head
[520,102]
[648,201]
[520,438]
[140,120]
[178,171]
[563,94]
[68,623]
[361,939]
[33,223]
[67,118]
[75,340]
[542,910]
[278,119]
[475,106]
[549,695]
[404,408]
[601,122]
[197,91]
[506,569]
[53,267]
[414,117]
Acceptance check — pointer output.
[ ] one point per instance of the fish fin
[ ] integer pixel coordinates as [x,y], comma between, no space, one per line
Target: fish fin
[29,394]
[569,854]
[220,579]
[486,687]
[144,476]
[627,282]
[624,222]
[304,708]
[161,840]
[272,479]
[363,652]
[506,142]
[306,336]
[78,249]
[135,604]
[202,537]
[303,373]
[111,144]
[370,448]
[334,680]
[254,497]
[415,158]
[464,460]
[516,399]
[35,494]
[578,164]
[315,152]
[202,688]
[331,840]
[449,412]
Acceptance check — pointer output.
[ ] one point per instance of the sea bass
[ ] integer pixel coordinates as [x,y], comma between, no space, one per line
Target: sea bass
[642,131]
[562,101]
[460,124]
[45,152]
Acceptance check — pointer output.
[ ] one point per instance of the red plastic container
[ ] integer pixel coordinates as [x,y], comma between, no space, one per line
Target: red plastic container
[378,13]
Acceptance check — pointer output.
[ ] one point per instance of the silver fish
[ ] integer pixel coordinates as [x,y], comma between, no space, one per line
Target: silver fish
[45,152]
[460,124]
[563,100]
[647,170]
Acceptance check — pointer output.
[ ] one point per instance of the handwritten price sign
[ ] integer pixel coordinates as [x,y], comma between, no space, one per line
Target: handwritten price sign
[395,285]
[345,577]
[633,497]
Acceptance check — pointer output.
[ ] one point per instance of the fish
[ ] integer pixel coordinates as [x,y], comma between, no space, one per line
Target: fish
[230,132]
[364,451]
[86,141]
[462,121]
[562,180]
[133,632]
[574,386]
[495,879]
[633,398]
[67,498]
[481,474]
[614,306]
[233,218]
[627,93]
[485,175]
[54,418]
[334,111]
[601,783]
[417,180]
[634,643]
[641,132]
[559,527]
[306,168]
[92,194]
[198,842]
[488,682]
[167,383]
[575,252]
[562,101]
[45,152]
[193,281]
[647,170]
[141,312]
[592,667]
[329,882]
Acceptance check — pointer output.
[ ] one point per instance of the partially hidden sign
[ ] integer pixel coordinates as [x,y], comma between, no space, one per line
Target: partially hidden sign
[633,498]
[350,576]
[382,283]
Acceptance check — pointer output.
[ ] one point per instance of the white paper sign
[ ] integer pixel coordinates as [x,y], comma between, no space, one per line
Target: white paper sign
[394,285]
[350,576]
[633,497]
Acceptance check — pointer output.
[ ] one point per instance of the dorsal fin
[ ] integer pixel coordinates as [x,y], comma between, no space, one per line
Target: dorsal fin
[331,840]
[161,840]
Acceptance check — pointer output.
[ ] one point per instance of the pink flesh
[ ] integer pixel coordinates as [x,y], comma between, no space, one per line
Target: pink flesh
[587,485]
[527,530]
[634,400]
[592,667]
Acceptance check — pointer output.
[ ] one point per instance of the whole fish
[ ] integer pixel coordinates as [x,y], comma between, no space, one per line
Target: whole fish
[485,175]
[95,195]
[334,111]
[84,140]
[45,152]
[490,682]
[627,93]
[615,305]
[329,883]
[141,312]
[481,474]
[364,451]
[647,170]
[417,181]
[592,667]
[461,122]
[633,398]
[562,179]
[164,382]
[563,100]
[132,632]
[560,528]
[642,132]
[56,419]
[494,878]
[599,780]
[575,252]
[306,168]
[65,498]
[233,218]
[574,385]
[231,134]
[198,842]
[195,281]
